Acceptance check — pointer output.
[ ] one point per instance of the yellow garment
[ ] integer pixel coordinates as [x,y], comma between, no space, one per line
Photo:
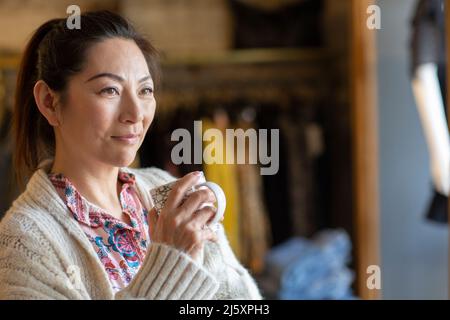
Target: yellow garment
[224,175]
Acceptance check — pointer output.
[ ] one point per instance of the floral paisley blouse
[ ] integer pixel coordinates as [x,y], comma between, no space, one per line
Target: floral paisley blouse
[120,247]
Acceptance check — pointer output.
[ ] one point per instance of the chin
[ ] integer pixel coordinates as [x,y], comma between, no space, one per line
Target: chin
[123,160]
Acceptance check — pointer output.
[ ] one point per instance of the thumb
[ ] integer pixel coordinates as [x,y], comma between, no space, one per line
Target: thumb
[152,220]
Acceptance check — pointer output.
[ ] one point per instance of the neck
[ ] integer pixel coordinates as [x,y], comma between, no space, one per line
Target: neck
[97,182]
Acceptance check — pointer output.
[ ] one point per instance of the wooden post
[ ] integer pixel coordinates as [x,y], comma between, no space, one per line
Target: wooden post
[363,84]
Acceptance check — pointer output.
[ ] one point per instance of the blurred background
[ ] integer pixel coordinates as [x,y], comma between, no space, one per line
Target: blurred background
[354,189]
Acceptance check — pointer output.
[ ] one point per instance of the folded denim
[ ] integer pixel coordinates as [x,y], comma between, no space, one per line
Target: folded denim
[311,269]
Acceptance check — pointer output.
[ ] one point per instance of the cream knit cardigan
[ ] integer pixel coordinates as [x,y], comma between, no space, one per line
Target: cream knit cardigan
[44,254]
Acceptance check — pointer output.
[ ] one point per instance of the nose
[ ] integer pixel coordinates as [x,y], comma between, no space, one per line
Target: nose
[131,110]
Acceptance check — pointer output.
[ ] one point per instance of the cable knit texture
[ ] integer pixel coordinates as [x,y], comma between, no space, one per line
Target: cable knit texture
[44,254]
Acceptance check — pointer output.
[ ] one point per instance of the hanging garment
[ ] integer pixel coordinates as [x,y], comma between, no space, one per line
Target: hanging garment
[301,176]
[276,195]
[438,205]
[428,34]
[428,46]
[224,175]
[308,172]
[254,222]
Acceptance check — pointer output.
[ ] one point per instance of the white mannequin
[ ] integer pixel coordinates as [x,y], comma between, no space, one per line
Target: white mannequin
[430,106]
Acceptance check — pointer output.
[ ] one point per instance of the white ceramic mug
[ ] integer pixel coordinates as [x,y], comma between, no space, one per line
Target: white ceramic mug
[159,197]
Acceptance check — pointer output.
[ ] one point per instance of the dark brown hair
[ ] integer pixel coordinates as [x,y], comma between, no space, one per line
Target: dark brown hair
[54,54]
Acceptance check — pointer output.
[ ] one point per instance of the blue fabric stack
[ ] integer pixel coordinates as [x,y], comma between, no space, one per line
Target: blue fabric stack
[310,269]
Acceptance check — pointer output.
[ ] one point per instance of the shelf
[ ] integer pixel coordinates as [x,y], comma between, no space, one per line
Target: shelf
[250,56]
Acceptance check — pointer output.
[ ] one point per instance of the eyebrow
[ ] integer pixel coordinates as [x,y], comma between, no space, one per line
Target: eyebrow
[114,77]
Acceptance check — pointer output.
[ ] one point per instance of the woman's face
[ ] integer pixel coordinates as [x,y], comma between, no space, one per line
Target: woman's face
[109,106]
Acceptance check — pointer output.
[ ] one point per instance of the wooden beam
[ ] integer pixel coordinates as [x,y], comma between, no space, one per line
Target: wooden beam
[363,84]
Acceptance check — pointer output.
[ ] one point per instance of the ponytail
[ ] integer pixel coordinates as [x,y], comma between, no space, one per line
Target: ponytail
[33,136]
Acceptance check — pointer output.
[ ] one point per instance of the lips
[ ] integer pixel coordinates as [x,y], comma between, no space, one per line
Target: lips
[127,136]
[130,138]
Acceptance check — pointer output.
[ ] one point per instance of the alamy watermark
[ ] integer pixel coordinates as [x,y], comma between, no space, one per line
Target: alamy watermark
[234,144]
[374,20]
[374,280]
[74,20]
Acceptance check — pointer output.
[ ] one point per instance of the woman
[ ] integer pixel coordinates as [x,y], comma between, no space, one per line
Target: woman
[83,228]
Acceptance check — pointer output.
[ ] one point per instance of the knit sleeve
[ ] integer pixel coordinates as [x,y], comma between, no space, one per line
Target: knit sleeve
[169,274]
[30,268]
[235,281]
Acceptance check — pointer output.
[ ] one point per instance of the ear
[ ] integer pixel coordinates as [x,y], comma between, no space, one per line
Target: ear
[46,101]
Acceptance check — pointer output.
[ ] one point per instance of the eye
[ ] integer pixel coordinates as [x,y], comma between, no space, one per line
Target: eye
[147,91]
[110,91]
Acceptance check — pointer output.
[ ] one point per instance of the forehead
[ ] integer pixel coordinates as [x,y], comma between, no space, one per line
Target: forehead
[116,55]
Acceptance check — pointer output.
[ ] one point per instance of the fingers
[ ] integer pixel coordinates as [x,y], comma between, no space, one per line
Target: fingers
[209,235]
[211,196]
[182,224]
[179,189]
[197,198]
[203,235]
[202,217]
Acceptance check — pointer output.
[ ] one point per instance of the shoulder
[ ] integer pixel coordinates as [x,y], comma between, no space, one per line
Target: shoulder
[27,226]
[31,222]
[25,245]
[34,257]
[35,237]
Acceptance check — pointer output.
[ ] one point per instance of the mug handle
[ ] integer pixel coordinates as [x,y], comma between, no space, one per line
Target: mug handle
[220,197]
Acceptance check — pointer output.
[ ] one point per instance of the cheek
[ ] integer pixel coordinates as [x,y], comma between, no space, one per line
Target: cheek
[90,120]
[87,117]
[102,117]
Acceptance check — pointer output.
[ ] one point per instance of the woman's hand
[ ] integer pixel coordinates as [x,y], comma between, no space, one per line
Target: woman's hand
[180,223]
